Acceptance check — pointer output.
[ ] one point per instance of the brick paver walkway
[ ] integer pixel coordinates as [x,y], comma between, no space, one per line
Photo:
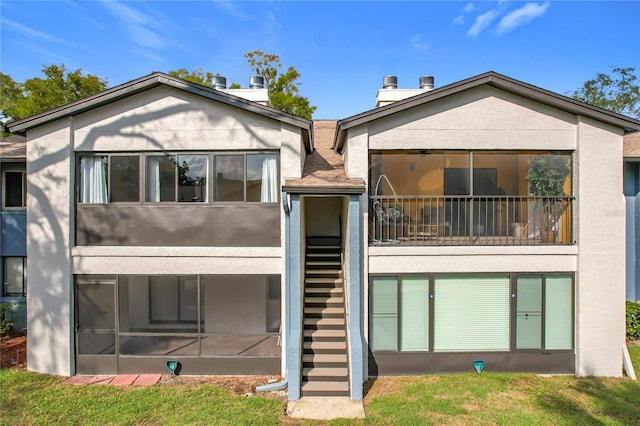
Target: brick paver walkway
[119,380]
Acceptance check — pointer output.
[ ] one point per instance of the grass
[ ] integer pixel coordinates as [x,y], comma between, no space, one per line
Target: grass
[28,398]
[634,353]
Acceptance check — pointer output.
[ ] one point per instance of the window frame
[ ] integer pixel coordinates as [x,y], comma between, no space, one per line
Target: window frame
[23,205]
[24,276]
[143,189]
[513,278]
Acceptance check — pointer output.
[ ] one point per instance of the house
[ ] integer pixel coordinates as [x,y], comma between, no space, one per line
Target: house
[173,222]
[13,221]
[632,196]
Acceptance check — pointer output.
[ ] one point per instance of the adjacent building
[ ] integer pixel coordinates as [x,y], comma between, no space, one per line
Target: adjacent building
[479,221]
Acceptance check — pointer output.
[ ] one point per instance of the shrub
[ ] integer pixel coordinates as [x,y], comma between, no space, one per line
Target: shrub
[633,320]
[8,314]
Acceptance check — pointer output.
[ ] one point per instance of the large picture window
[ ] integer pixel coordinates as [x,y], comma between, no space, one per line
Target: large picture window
[180,177]
[471,313]
[15,277]
[14,189]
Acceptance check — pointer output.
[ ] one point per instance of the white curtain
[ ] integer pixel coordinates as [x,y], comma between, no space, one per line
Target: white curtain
[153,179]
[269,190]
[93,175]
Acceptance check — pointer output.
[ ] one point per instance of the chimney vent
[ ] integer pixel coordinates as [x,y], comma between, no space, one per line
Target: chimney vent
[426,82]
[219,82]
[256,82]
[390,82]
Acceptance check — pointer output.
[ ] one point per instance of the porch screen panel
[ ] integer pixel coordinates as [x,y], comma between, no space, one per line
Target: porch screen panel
[384,314]
[558,312]
[529,312]
[471,313]
[414,314]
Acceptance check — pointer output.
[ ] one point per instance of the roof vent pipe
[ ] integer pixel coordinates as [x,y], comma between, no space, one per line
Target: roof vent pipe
[219,82]
[389,82]
[256,82]
[426,82]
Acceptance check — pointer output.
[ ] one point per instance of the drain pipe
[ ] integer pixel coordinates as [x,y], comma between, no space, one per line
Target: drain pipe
[284,383]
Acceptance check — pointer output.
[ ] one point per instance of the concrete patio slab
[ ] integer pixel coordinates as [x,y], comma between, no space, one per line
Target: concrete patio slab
[325,408]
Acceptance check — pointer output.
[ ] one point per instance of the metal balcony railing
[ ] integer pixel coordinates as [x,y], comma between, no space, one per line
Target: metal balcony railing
[470,220]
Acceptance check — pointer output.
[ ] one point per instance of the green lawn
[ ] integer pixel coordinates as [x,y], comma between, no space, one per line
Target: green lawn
[28,398]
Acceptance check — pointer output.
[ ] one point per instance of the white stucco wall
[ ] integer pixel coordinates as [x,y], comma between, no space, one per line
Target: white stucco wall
[600,309]
[49,304]
[159,119]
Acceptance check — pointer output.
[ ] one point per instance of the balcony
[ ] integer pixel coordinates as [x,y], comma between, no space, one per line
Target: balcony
[470,220]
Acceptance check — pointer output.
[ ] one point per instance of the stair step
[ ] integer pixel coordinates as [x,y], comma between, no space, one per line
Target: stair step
[323,263]
[312,254]
[316,291]
[320,280]
[324,322]
[325,346]
[325,358]
[317,372]
[324,300]
[324,272]
[316,388]
[325,334]
[322,247]
[324,311]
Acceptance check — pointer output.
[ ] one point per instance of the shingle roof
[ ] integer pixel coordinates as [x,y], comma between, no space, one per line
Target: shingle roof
[631,143]
[13,147]
[324,168]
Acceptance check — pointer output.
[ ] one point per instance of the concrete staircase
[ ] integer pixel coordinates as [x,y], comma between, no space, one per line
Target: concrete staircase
[325,369]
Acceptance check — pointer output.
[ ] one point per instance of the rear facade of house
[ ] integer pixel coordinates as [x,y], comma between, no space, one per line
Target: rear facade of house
[172,222]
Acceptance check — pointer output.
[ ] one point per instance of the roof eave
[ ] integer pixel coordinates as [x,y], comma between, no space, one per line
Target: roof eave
[493,79]
[150,81]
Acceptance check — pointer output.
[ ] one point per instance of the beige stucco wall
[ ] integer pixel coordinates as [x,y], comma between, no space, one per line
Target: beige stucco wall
[481,118]
[486,118]
[600,296]
[49,304]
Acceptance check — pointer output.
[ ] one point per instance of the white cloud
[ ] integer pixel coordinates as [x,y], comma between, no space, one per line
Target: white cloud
[481,22]
[417,43]
[231,8]
[459,20]
[143,29]
[469,7]
[521,16]
[31,33]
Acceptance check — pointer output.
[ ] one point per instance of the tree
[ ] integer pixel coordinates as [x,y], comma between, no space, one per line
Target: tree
[283,87]
[199,77]
[59,87]
[618,93]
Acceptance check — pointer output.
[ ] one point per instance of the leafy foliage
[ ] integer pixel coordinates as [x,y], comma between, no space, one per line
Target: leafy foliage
[8,314]
[547,174]
[619,92]
[35,95]
[283,87]
[199,77]
[633,320]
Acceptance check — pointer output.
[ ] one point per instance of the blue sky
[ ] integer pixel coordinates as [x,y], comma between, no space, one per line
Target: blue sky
[342,49]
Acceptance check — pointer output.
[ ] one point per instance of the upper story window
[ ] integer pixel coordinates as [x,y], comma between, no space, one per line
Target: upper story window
[191,183]
[109,178]
[250,177]
[180,177]
[14,189]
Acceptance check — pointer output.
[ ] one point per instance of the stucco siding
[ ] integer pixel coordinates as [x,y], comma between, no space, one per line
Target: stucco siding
[48,269]
[601,264]
[164,118]
[482,118]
